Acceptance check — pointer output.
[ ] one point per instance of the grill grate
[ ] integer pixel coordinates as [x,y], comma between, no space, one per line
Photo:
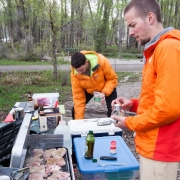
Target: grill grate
[65,168]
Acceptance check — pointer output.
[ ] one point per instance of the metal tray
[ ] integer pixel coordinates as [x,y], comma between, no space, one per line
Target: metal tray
[49,141]
[65,168]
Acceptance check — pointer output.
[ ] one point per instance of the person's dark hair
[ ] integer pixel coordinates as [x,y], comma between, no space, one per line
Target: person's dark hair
[78,59]
[143,7]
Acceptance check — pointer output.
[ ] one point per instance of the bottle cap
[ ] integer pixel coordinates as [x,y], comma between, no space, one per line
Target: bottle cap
[90,132]
[94,160]
[116,105]
[113,143]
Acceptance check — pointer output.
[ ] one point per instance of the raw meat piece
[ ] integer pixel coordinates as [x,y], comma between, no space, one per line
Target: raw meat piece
[38,152]
[60,162]
[65,175]
[52,168]
[56,161]
[35,176]
[34,160]
[60,152]
[39,170]
[58,175]
[33,164]
[48,153]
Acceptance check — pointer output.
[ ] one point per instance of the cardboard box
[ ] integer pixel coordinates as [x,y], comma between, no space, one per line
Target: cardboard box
[93,171]
[50,119]
[49,122]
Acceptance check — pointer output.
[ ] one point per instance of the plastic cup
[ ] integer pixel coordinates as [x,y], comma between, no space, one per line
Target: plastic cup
[98,97]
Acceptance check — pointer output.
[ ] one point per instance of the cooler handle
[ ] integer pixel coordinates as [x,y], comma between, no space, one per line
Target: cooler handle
[111,132]
[83,134]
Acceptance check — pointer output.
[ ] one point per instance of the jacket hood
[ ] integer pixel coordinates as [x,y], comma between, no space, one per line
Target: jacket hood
[169,32]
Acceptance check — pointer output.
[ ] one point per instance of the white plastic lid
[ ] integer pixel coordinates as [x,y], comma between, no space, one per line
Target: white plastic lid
[62,122]
[42,95]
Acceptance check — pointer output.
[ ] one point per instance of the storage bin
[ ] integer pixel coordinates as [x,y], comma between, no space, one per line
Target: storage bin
[90,170]
[80,128]
[45,99]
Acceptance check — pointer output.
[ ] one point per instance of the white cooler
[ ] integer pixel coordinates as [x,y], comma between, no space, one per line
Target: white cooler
[80,128]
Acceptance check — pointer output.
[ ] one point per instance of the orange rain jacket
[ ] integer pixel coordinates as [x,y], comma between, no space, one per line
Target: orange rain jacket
[157,124]
[102,79]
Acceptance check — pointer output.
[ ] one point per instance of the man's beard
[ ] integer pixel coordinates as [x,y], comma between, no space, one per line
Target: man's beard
[144,42]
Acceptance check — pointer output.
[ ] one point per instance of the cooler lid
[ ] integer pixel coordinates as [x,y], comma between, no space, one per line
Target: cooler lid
[42,95]
[102,148]
[82,127]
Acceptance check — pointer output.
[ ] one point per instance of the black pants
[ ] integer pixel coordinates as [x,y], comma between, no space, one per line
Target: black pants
[108,99]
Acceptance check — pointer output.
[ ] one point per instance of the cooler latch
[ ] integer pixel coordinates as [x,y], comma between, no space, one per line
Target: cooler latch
[83,134]
[111,132]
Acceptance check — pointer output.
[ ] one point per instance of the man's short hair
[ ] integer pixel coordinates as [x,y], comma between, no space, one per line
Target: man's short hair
[78,59]
[143,7]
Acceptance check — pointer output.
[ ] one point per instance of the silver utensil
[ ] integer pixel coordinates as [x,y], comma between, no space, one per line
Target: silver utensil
[91,120]
[111,164]
[106,164]
[21,170]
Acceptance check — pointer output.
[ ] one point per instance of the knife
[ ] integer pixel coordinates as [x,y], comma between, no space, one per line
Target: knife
[112,158]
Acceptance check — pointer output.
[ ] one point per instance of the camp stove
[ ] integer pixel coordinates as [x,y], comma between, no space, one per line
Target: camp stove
[25,143]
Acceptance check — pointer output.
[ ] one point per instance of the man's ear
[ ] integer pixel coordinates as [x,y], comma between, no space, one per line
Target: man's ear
[151,17]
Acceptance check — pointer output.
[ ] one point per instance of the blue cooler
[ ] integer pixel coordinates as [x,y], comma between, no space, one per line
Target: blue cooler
[80,128]
[93,171]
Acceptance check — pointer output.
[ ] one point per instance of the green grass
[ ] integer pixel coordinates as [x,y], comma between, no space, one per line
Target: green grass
[16,85]
[133,76]
[5,62]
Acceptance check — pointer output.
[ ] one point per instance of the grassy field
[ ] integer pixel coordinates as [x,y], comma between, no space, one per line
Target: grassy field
[5,62]
[16,85]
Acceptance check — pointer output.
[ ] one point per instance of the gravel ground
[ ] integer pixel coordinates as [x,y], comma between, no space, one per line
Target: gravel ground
[125,89]
[128,90]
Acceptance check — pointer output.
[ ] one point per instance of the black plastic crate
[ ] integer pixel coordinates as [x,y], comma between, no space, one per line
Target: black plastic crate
[8,135]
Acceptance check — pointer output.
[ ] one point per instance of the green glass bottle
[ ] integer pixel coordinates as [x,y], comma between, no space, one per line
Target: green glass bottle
[89,149]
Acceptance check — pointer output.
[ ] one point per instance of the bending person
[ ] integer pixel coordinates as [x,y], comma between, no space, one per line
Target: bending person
[91,72]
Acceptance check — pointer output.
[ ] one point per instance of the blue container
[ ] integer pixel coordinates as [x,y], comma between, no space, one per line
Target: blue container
[93,171]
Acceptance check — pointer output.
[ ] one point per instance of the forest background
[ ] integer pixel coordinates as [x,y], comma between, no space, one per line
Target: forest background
[34,30]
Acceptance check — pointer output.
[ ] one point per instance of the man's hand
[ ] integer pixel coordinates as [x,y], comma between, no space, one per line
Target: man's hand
[120,121]
[125,104]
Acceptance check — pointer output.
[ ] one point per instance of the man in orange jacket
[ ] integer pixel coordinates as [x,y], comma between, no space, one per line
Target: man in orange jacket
[91,72]
[157,124]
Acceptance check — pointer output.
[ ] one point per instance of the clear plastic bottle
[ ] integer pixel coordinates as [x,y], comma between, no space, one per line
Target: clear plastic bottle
[117,110]
[63,128]
[113,147]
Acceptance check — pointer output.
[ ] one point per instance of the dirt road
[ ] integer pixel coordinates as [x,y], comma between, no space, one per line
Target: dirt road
[118,65]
